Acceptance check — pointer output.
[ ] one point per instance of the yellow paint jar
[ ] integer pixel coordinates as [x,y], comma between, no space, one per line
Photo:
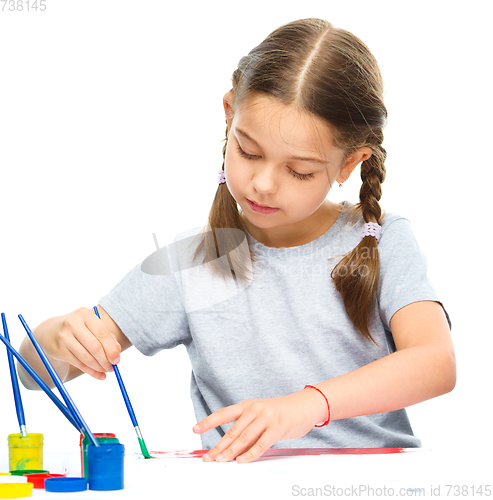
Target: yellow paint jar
[25,452]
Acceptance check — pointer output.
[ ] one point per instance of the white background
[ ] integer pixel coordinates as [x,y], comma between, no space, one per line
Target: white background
[111,128]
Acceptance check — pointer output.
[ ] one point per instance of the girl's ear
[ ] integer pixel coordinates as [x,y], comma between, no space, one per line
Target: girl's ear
[351,162]
[228,100]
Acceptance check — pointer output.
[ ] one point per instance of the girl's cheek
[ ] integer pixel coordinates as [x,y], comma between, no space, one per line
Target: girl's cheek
[232,182]
[234,175]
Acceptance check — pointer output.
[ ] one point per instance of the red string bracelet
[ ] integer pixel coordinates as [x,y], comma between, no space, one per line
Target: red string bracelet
[326,400]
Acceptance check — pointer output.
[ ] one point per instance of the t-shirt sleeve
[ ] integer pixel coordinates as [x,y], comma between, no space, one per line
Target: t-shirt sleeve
[403,272]
[148,309]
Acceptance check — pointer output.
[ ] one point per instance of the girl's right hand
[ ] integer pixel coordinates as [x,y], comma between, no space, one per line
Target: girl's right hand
[77,343]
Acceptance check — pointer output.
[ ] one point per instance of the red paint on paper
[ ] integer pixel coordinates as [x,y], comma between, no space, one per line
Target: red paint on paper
[292,452]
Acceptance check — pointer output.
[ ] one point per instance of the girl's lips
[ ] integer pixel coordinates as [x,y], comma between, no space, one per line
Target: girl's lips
[261,209]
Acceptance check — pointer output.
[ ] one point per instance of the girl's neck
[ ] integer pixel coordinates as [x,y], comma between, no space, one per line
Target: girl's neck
[304,232]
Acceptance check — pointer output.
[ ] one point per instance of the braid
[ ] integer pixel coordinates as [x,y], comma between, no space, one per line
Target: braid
[372,174]
[357,276]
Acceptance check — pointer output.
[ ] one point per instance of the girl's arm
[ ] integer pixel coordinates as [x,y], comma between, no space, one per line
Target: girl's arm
[422,367]
[76,343]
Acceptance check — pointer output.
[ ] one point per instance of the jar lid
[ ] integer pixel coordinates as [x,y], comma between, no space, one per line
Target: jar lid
[16,490]
[28,471]
[38,480]
[66,484]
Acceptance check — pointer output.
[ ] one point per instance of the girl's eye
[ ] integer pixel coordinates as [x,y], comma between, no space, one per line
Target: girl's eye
[302,177]
[246,155]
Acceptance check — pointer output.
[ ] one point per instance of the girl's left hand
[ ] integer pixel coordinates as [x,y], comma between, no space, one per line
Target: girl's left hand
[262,422]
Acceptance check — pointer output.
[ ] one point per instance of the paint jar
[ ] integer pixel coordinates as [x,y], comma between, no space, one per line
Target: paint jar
[105,466]
[25,452]
[101,437]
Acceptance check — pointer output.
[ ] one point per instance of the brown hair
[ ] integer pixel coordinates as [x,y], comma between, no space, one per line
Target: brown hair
[331,74]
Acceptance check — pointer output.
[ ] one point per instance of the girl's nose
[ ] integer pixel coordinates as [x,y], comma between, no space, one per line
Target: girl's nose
[264,180]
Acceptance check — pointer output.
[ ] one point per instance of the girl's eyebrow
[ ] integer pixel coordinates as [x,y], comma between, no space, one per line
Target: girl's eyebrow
[300,158]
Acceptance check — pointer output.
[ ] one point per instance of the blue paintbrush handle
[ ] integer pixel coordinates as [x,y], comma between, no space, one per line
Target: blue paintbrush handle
[58,382]
[128,404]
[40,382]
[19,409]
[125,396]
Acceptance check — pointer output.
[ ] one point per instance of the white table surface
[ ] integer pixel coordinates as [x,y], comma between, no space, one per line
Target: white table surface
[336,475]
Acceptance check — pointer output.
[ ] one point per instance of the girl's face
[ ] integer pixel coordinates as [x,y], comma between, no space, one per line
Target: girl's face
[280,165]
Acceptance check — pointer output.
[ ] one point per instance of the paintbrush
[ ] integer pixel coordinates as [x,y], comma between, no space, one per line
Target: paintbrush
[128,404]
[58,382]
[19,408]
[41,383]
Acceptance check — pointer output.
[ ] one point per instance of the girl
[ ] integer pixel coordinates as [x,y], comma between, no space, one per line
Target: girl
[295,311]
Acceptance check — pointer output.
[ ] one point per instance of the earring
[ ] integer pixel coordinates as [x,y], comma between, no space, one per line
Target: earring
[340,184]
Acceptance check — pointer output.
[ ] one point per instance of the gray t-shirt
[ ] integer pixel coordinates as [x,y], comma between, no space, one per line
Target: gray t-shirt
[283,330]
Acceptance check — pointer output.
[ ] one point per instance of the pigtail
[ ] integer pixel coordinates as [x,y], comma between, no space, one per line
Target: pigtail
[224,214]
[357,276]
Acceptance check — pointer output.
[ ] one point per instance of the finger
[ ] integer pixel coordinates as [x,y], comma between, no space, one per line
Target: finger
[74,331]
[74,359]
[84,360]
[220,417]
[242,434]
[265,441]
[240,439]
[71,342]
[89,350]
[110,347]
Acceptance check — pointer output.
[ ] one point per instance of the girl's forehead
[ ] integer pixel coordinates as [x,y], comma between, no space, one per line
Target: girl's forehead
[269,118]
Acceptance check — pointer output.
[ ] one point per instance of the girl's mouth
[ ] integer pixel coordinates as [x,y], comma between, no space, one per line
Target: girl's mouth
[261,209]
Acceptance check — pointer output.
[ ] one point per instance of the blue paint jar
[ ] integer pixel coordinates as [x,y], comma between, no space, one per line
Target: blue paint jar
[105,466]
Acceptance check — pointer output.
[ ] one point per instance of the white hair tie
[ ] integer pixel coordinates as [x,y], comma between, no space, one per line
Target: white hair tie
[372,229]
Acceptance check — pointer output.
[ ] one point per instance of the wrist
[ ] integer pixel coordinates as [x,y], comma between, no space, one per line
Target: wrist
[320,405]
